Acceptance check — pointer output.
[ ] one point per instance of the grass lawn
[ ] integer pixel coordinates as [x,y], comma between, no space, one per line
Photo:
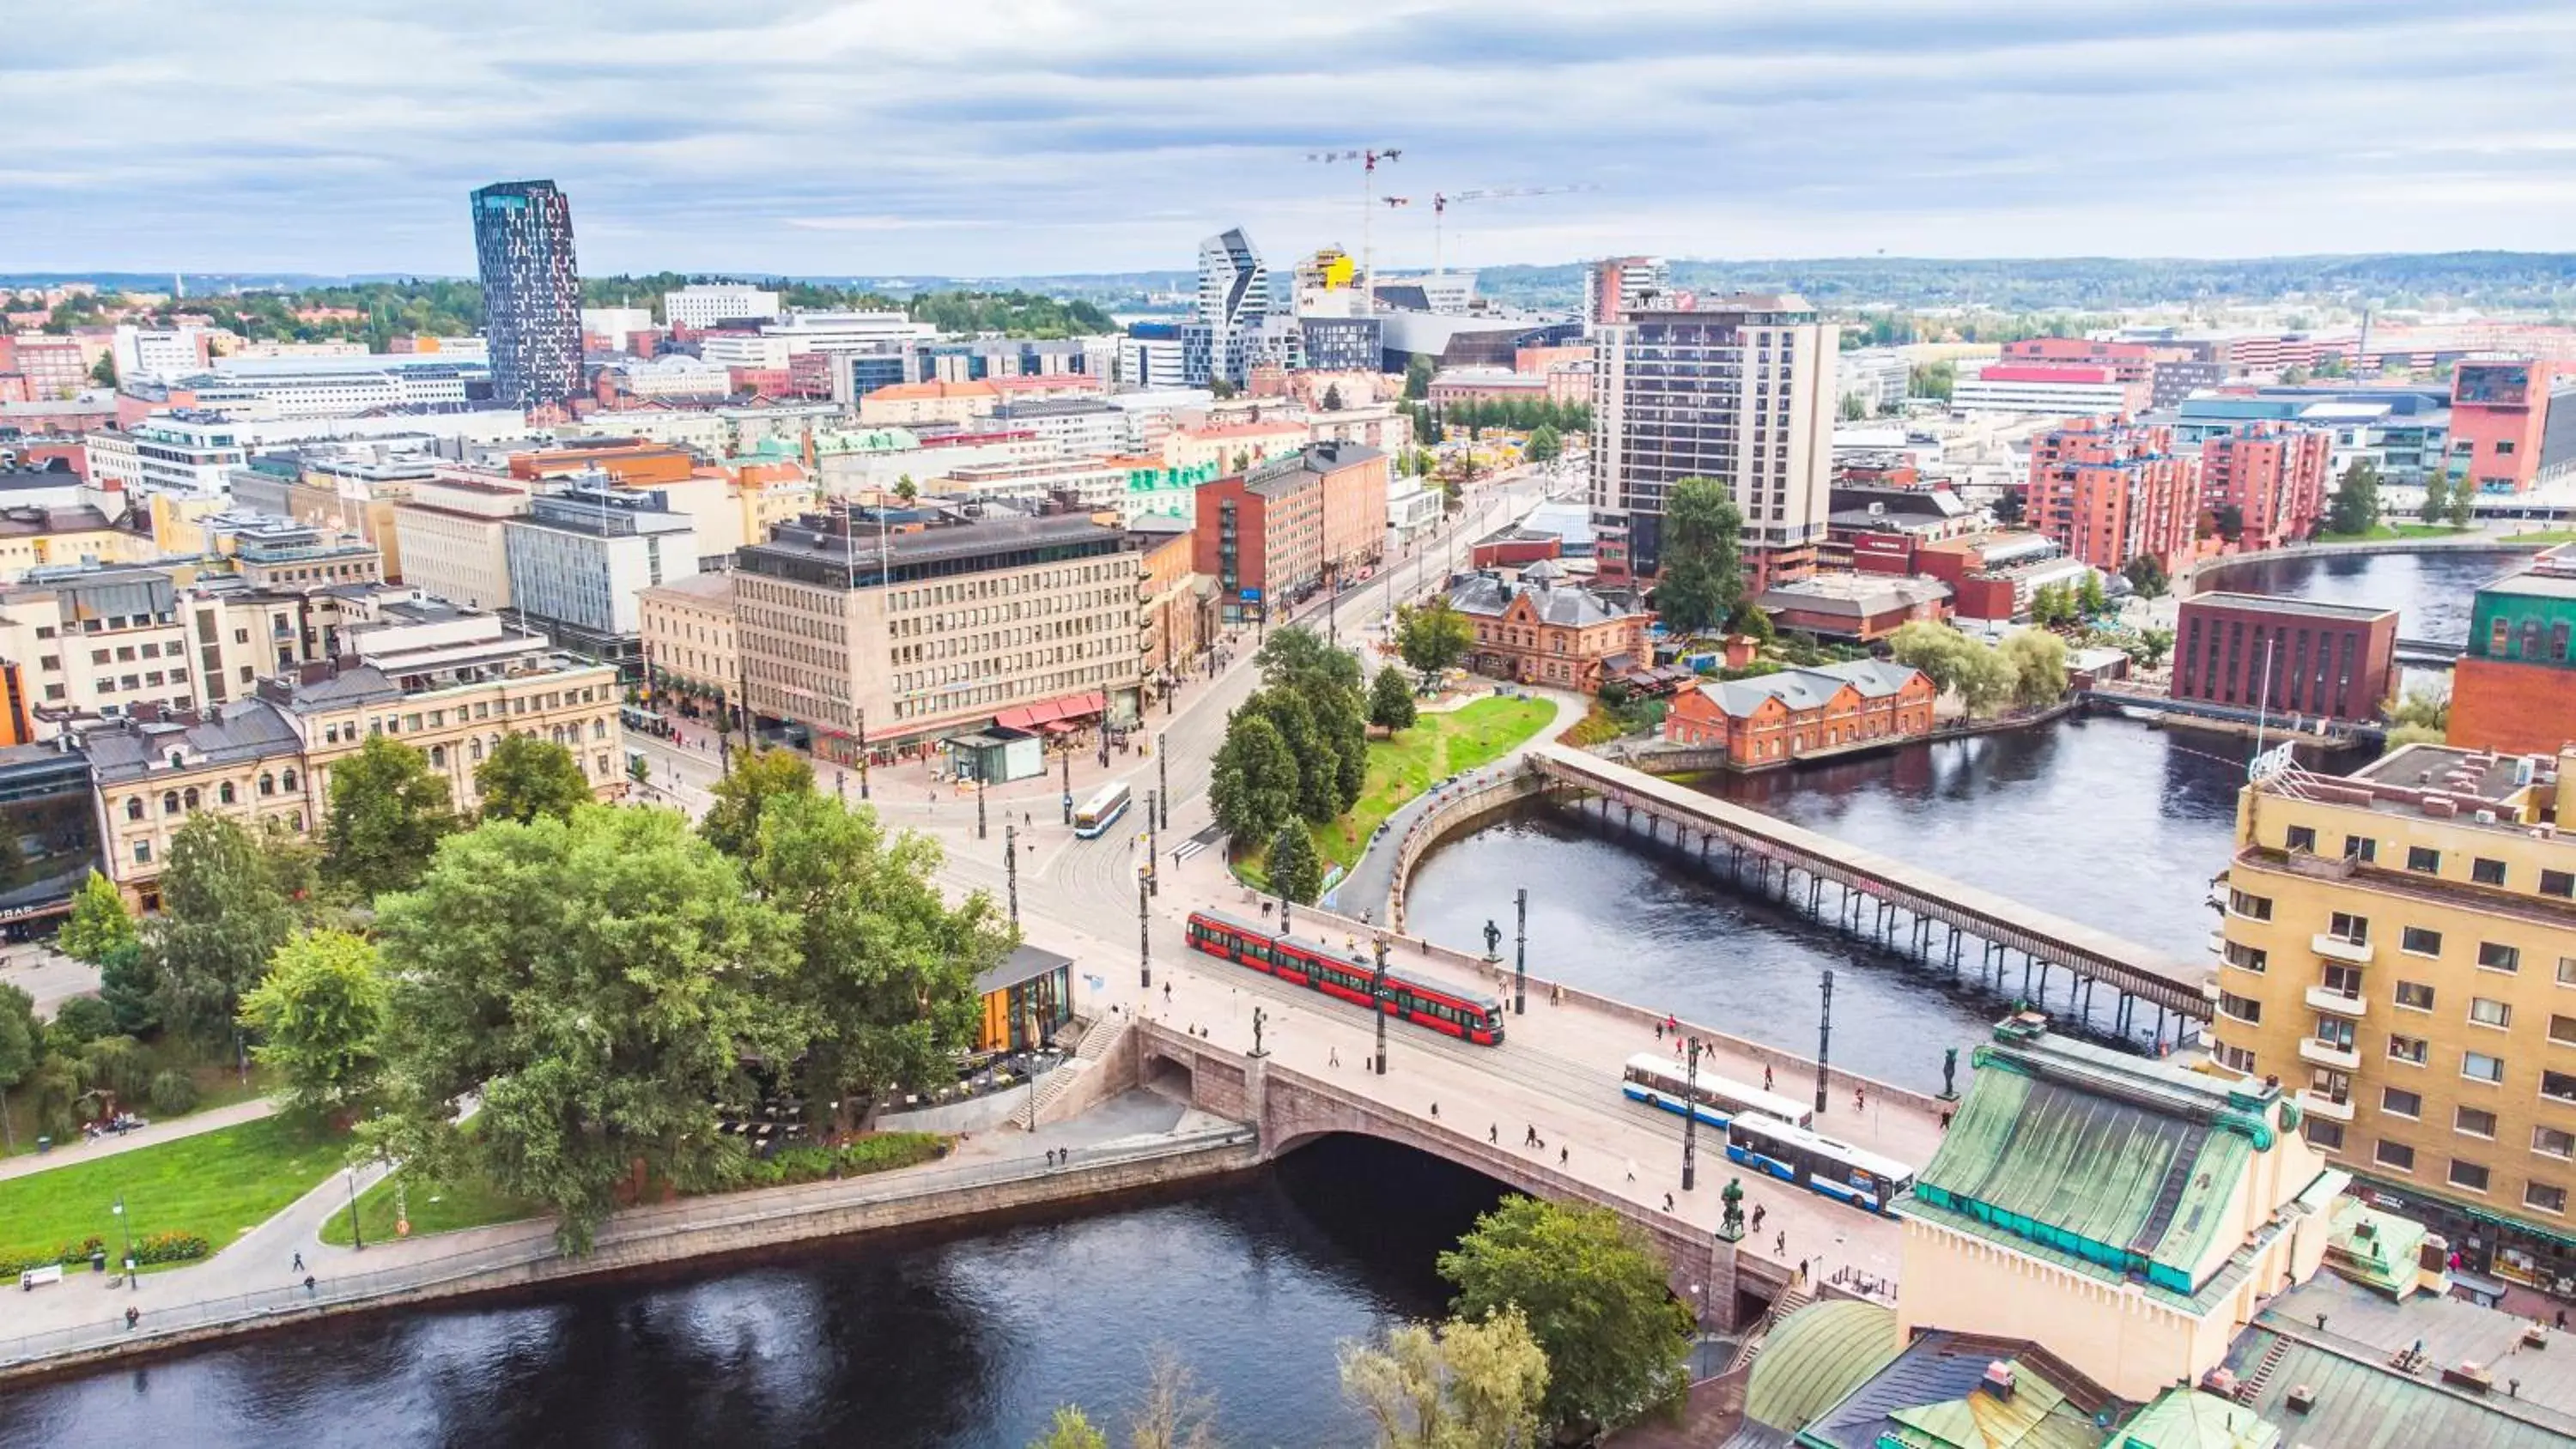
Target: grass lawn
[435,1207]
[1438,746]
[215,1184]
[2545,535]
[2384,531]
[217,1086]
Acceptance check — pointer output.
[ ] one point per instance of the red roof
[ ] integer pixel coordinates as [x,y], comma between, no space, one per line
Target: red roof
[1052,711]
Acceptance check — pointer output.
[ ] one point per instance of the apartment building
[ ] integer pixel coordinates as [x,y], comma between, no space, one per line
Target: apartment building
[2110,492]
[1740,389]
[1179,604]
[452,537]
[90,642]
[40,536]
[687,629]
[705,304]
[2399,945]
[2275,479]
[580,556]
[448,682]
[1260,535]
[870,634]
[180,452]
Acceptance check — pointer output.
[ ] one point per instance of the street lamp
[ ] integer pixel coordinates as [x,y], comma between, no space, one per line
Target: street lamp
[1011,866]
[1066,759]
[1144,939]
[1378,997]
[356,1236]
[980,833]
[1690,1119]
[128,1224]
[1824,1040]
[1153,846]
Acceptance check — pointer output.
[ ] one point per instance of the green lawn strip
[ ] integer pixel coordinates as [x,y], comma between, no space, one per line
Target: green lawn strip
[2545,535]
[1439,745]
[215,1185]
[2384,531]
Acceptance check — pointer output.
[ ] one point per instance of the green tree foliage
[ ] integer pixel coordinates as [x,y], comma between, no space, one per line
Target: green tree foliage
[320,1015]
[1298,658]
[1253,782]
[2437,499]
[1545,445]
[600,982]
[1332,746]
[1465,1385]
[1332,397]
[1296,868]
[388,813]
[99,926]
[2038,662]
[22,1045]
[1593,1291]
[1070,1429]
[104,372]
[1932,648]
[1310,743]
[1391,705]
[1703,577]
[2464,505]
[1175,1413]
[125,981]
[1986,679]
[2424,708]
[1417,376]
[525,777]
[1933,380]
[2146,574]
[1013,314]
[2009,505]
[2155,644]
[223,915]
[884,969]
[2354,509]
[1433,638]
[732,819]
[906,489]
[1519,415]
[2227,521]
[1855,407]
[2090,601]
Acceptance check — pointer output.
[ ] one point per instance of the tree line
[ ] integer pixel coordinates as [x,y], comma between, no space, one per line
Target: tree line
[600,977]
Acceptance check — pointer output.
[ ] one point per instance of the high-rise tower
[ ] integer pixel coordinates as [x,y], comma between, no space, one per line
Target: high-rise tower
[1234,298]
[531,291]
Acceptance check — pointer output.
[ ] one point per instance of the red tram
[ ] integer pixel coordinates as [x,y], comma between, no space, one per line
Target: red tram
[1313,964]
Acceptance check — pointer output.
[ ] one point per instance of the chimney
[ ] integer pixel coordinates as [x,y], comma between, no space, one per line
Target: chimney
[1999,1378]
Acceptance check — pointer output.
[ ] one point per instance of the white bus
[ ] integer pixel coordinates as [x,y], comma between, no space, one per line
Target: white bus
[1658,1082]
[1818,1163]
[1100,811]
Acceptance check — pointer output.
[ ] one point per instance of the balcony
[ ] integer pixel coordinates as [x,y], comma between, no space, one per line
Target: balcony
[2336,1003]
[2339,948]
[2318,1104]
[2327,1054]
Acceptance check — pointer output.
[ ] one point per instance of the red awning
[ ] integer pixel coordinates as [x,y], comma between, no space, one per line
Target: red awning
[1053,711]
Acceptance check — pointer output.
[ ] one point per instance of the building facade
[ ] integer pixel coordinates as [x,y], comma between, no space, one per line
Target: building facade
[1620,286]
[2274,477]
[687,631]
[1541,629]
[578,559]
[1260,535]
[705,304]
[531,291]
[2289,657]
[453,539]
[2110,492]
[1233,301]
[2515,690]
[2398,947]
[1776,719]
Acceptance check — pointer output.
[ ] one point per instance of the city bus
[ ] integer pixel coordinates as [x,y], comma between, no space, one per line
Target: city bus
[1317,966]
[1100,811]
[1817,1163]
[1659,1082]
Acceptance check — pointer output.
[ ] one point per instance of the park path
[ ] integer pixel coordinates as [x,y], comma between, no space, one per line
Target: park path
[80,1150]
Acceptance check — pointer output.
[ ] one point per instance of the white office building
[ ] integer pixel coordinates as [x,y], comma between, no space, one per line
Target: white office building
[705,304]
[1234,297]
[2055,390]
[614,323]
[184,453]
[579,557]
[845,331]
[1152,363]
[157,353]
[734,349]
[337,387]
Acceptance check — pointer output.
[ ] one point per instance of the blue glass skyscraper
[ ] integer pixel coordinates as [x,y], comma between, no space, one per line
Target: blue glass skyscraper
[531,291]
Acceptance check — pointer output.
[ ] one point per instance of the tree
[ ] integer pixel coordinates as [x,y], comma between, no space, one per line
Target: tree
[526,777]
[2009,505]
[1221,389]
[2354,509]
[1985,678]
[2437,499]
[600,982]
[1545,445]
[884,969]
[1433,637]
[2423,708]
[125,982]
[1176,1413]
[2293,375]
[1296,870]
[321,1015]
[1417,376]
[388,813]
[104,371]
[906,489]
[99,926]
[1391,701]
[1703,572]
[1332,397]
[1932,648]
[1855,407]
[2155,643]
[2464,505]
[1933,380]
[2146,574]
[1253,782]
[2229,521]
[732,822]
[1593,1291]
[2089,596]
[222,917]
[1298,658]
[1071,1429]
[22,1045]
[2038,661]
[1466,1386]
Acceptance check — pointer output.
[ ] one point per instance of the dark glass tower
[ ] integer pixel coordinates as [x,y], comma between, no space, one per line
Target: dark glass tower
[531,291]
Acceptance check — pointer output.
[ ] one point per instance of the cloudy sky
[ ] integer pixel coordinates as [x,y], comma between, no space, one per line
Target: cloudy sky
[880,137]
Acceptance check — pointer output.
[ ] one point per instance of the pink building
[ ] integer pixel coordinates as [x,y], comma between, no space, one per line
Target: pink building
[2499,412]
[2110,492]
[2275,477]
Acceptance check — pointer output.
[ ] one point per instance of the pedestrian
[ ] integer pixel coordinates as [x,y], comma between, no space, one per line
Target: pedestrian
[1530,1138]
[1494,1134]
[1167,993]
[1335,1057]
[1632,1169]
[1945,1121]
[1766,1076]
[299,1262]
[1668,1202]
[1659,1031]
[1435,1109]
[1802,1267]
[1860,1099]
[308,1285]
[1758,1215]
[133,1316]
[1564,1155]
[1781,1245]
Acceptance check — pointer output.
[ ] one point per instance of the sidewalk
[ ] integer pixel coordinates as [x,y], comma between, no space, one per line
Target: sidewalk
[81,1149]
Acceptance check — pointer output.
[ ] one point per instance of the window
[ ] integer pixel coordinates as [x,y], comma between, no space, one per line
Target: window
[2468,1174]
[2361,848]
[2324,1135]
[2474,1121]
[2246,958]
[190,800]
[2420,942]
[2424,858]
[438,757]
[2545,1197]
[2344,979]
[2397,1102]
[2558,1086]
[287,779]
[2479,1067]
[2562,1029]
[224,793]
[2486,872]
[2242,1008]
[169,802]
[2494,956]
[2560,883]
[2414,996]
[268,784]
[2236,1058]
[2301,837]
[2407,1049]
[2344,925]
[143,852]
[2335,1032]
[134,807]
[2486,1011]
[2394,1154]
[2553,1142]
[2567,970]
[2257,908]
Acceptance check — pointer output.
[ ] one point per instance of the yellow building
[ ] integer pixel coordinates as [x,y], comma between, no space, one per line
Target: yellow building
[451,537]
[35,537]
[2399,948]
[688,637]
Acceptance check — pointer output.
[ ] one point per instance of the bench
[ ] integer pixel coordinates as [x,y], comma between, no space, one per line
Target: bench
[34,1278]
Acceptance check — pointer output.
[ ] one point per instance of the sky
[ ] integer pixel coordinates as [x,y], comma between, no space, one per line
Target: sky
[1002,137]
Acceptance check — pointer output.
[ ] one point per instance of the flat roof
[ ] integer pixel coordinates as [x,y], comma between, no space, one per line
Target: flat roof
[2494,778]
[2301,608]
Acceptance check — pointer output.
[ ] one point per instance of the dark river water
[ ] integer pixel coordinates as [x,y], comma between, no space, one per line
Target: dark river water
[969,1340]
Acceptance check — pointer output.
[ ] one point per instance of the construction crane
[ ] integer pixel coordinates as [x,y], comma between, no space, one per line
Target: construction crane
[1441,202]
[1368,157]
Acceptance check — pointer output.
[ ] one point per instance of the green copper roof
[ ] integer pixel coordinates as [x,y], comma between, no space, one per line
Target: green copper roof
[2190,1419]
[1814,1357]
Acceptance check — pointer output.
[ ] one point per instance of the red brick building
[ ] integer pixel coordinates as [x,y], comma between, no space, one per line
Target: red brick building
[1261,537]
[1775,719]
[1858,607]
[1539,629]
[2499,415]
[2274,476]
[2111,492]
[2515,690]
[2334,660]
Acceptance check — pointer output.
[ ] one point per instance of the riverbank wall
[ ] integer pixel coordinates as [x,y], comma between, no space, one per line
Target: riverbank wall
[645,1238]
[2194,580]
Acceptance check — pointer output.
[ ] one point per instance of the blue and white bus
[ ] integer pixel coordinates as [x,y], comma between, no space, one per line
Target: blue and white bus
[1100,811]
[1817,1163]
[1715,1100]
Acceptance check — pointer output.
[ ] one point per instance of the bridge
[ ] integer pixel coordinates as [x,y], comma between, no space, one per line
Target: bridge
[1901,906]
[2429,653]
